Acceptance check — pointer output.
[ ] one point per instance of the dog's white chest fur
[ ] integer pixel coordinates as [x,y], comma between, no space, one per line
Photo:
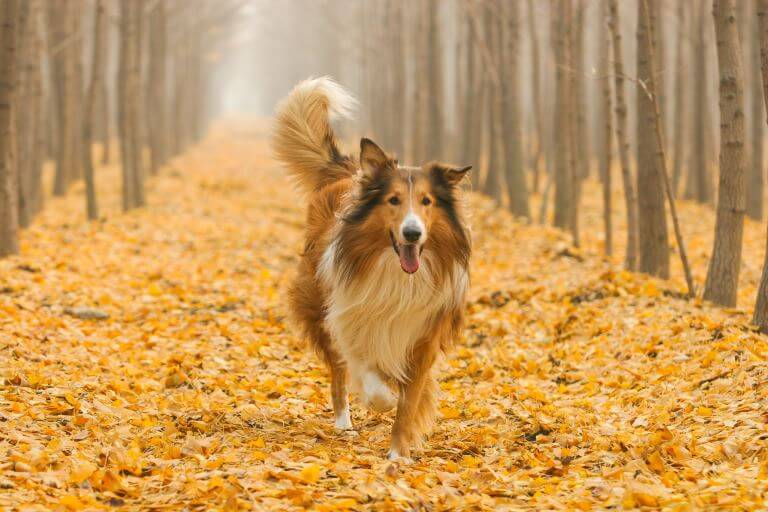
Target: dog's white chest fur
[376,319]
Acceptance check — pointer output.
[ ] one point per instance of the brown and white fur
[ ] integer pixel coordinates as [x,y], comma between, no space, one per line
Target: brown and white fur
[384,273]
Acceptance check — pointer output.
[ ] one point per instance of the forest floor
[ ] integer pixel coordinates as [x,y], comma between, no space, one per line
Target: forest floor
[576,385]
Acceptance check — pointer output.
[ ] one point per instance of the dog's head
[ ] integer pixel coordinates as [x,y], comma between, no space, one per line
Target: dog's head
[411,208]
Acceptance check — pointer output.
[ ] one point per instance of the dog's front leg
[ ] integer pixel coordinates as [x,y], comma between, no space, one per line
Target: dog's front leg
[408,424]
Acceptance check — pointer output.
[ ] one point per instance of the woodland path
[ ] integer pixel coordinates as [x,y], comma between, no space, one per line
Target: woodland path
[576,385]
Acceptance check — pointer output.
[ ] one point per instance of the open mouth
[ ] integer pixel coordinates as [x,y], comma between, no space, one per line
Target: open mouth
[408,254]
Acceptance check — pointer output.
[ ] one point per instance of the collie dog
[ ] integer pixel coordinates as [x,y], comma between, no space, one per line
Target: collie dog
[384,273]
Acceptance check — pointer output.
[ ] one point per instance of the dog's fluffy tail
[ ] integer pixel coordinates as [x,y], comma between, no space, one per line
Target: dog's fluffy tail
[303,138]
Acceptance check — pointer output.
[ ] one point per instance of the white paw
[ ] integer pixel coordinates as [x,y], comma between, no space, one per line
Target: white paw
[376,394]
[343,421]
[394,455]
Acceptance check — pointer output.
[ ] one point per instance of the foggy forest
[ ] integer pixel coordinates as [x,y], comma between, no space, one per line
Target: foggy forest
[611,351]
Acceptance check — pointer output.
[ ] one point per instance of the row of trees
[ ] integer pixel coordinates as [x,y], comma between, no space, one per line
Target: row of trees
[634,86]
[78,72]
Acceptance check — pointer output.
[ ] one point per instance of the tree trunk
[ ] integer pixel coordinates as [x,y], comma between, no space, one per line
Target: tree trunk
[97,77]
[127,76]
[681,97]
[434,76]
[493,184]
[59,14]
[105,121]
[23,148]
[574,107]
[398,79]
[630,199]
[517,189]
[698,183]
[538,113]
[652,225]
[135,81]
[420,101]
[756,177]
[607,111]
[723,274]
[470,120]
[581,142]
[38,115]
[156,115]
[761,306]
[563,170]
[9,214]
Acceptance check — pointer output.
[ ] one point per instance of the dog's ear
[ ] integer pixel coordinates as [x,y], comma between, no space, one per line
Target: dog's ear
[450,175]
[373,159]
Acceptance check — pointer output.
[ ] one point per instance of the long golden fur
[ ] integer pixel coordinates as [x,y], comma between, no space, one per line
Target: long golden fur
[383,277]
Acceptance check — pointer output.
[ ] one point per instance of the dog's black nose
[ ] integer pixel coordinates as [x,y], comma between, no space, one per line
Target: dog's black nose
[411,234]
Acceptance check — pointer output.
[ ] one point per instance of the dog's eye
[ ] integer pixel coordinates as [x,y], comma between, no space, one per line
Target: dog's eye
[394,200]
[426,201]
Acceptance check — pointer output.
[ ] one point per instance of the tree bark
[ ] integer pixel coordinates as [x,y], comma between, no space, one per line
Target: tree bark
[723,275]
[97,77]
[23,147]
[9,214]
[681,97]
[62,84]
[129,85]
[420,105]
[630,198]
[471,118]
[564,173]
[581,142]
[397,32]
[761,305]
[607,111]
[698,183]
[158,84]
[574,108]
[538,113]
[652,225]
[493,184]
[756,177]
[434,75]
[517,189]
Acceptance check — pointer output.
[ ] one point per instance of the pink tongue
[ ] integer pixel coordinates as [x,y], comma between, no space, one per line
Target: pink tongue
[409,258]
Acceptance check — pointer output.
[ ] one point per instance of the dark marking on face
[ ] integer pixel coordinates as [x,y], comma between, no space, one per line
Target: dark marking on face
[373,190]
[444,195]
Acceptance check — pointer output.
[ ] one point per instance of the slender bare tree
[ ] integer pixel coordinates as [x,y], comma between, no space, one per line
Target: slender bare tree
[564,173]
[156,118]
[607,112]
[97,76]
[680,95]
[761,305]
[517,189]
[652,225]
[723,274]
[698,183]
[435,95]
[538,153]
[756,171]
[493,182]
[9,214]
[630,198]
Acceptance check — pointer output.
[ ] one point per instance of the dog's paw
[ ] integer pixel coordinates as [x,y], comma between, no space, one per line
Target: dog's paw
[343,422]
[377,395]
[394,455]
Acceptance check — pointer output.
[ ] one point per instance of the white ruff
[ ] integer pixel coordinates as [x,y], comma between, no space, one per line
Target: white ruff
[376,319]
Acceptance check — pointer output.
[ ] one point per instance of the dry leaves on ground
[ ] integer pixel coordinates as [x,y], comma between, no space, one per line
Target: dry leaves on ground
[146,363]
